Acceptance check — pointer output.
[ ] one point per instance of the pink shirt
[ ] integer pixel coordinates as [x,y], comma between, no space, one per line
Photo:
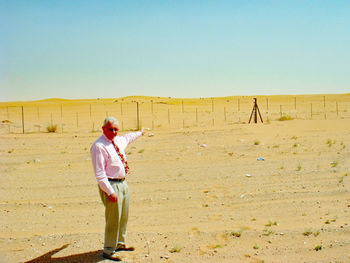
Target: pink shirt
[106,161]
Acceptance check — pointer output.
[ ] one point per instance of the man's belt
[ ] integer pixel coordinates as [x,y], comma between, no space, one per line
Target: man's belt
[116,179]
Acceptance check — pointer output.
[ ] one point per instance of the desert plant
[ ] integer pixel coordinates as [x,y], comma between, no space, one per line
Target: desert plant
[294,137]
[285,118]
[317,248]
[236,233]
[256,142]
[267,232]
[299,168]
[175,249]
[334,164]
[51,128]
[256,247]
[272,223]
[141,151]
[307,233]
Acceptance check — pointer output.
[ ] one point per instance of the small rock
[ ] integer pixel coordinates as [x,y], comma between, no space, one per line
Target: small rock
[248,175]
[203,145]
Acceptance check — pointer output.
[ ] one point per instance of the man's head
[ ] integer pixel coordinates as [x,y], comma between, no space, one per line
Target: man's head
[110,127]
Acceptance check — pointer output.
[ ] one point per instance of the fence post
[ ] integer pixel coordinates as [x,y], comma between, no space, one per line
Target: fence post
[37,109]
[22,120]
[280,110]
[324,107]
[138,115]
[225,114]
[168,116]
[311,110]
[336,106]
[121,109]
[197,115]
[267,104]
[62,118]
[239,105]
[183,110]
[152,106]
[77,120]
[90,110]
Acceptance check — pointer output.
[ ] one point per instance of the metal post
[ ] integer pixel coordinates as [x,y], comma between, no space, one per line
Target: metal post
[183,110]
[197,115]
[324,107]
[225,114]
[77,120]
[152,106]
[90,110]
[168,116]
[22,119]
[61,118]
[280,110]
[121,108]
[311,110]
[267,104]
[138,115]
[239,106]
[336,105]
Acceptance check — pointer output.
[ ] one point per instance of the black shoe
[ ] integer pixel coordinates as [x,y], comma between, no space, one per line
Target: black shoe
[124,248]
[113,256]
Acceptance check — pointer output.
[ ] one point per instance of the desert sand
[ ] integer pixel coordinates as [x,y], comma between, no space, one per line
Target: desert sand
[201,191]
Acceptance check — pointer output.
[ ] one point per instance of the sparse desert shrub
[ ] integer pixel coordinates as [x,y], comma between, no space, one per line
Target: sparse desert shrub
[299,167]
[272,223]
[236,233]
[51,128]
[285,118]
[334,164]
[307,233]
[317,248]
[267,232]
[175,249]
[256,142]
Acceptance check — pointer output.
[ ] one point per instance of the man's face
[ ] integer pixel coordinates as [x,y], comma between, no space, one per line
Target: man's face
[110,130]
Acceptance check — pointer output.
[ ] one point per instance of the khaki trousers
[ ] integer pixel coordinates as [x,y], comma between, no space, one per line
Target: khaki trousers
[116,215]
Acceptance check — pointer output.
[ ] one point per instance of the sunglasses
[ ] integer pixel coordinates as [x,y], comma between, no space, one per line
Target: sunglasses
[113,129]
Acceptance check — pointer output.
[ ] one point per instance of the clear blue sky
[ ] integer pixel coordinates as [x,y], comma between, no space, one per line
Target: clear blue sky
[107,49]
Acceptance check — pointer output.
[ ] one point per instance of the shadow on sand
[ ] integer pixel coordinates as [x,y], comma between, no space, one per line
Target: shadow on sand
[88,257]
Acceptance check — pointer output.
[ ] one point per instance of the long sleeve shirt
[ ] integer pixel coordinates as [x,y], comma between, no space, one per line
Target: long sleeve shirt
[105,159]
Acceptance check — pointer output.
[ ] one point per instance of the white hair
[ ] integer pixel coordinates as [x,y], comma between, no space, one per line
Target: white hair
[110,120]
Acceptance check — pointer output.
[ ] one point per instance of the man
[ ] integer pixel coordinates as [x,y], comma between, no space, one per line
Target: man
[111,168]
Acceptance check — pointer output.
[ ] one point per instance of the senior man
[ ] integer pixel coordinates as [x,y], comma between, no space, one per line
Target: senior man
[111,169]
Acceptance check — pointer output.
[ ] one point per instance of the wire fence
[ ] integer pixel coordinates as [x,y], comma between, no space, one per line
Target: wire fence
[164,113]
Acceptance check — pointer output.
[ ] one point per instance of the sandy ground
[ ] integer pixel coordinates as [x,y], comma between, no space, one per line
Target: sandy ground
[198,195]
